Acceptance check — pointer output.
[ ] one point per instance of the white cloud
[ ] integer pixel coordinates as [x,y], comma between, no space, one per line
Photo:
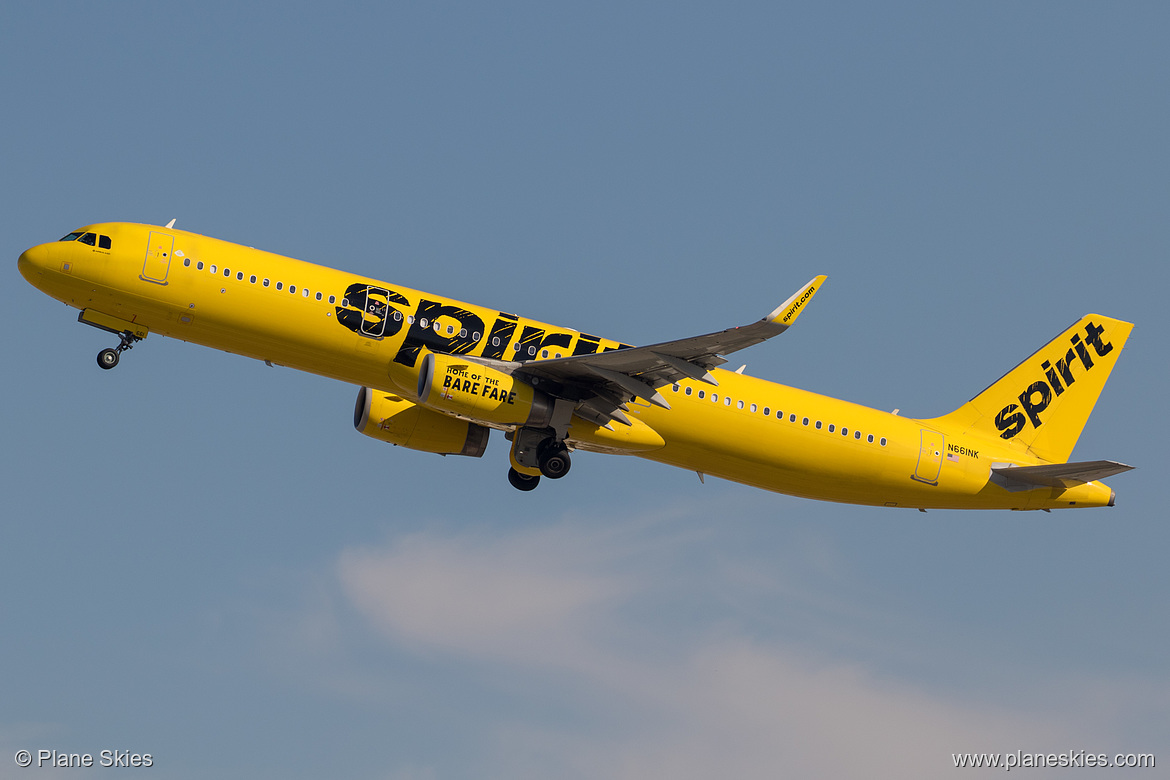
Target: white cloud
[527,598]
[704,695]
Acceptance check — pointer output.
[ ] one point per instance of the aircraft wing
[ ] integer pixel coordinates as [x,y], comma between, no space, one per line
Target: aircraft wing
[1061,474]
[603,382]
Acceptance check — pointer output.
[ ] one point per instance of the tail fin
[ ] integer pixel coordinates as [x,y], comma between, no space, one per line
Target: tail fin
[1042,404]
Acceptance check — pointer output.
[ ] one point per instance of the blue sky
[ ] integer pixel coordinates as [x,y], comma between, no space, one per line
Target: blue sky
[203,561]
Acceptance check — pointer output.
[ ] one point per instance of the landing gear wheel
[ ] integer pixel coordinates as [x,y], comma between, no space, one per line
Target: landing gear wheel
[107,358]
[522,481]
[555,463]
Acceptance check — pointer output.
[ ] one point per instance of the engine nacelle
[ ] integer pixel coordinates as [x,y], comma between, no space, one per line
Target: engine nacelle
[480,393]
[391,418]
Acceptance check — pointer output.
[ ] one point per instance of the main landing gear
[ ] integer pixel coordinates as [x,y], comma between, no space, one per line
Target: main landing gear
[552,458]
[537,450]
[522,481]
[108,358]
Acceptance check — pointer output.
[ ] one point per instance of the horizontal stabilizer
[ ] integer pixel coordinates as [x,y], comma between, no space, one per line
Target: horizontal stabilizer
[1061,474]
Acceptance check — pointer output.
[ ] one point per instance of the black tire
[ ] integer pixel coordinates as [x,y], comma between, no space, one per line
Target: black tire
[107,358]
[556,464]
[522,481]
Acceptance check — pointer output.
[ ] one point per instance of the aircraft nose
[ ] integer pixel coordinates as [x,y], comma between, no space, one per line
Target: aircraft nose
[33,261]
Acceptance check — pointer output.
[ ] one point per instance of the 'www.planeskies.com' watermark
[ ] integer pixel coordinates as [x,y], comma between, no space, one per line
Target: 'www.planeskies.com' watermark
[1071,758]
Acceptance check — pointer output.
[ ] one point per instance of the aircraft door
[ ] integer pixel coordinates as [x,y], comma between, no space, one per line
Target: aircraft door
[378,308]
[930,455]
[158,257]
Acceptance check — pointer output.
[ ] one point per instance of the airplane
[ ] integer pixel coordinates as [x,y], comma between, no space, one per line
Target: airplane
[438,375]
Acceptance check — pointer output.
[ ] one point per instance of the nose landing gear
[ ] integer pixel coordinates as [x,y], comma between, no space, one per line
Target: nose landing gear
[108,358]
[127,330]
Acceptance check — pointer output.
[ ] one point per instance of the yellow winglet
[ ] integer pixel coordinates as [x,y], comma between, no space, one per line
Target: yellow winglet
[787,312]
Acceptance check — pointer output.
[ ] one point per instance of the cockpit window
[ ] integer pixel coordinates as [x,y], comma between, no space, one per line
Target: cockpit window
[92,239]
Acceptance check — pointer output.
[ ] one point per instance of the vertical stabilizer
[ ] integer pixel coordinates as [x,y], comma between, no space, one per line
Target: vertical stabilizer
[1042,404]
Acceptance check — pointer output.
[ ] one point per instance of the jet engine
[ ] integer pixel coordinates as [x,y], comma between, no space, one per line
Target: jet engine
[475,391]
[391,418]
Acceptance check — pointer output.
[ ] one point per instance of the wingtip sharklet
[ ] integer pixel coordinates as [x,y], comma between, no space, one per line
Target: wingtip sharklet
[786,313]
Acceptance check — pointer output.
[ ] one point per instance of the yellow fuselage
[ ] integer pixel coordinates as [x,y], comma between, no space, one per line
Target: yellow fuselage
[749,430]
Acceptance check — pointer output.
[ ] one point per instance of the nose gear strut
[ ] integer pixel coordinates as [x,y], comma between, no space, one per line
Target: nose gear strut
[127,330]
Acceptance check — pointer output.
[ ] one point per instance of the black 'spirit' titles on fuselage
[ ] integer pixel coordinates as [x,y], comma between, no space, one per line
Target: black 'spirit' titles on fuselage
[369,310]
[378,313]
[1038,395]
[586,345]
[502,330]
[424,332]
